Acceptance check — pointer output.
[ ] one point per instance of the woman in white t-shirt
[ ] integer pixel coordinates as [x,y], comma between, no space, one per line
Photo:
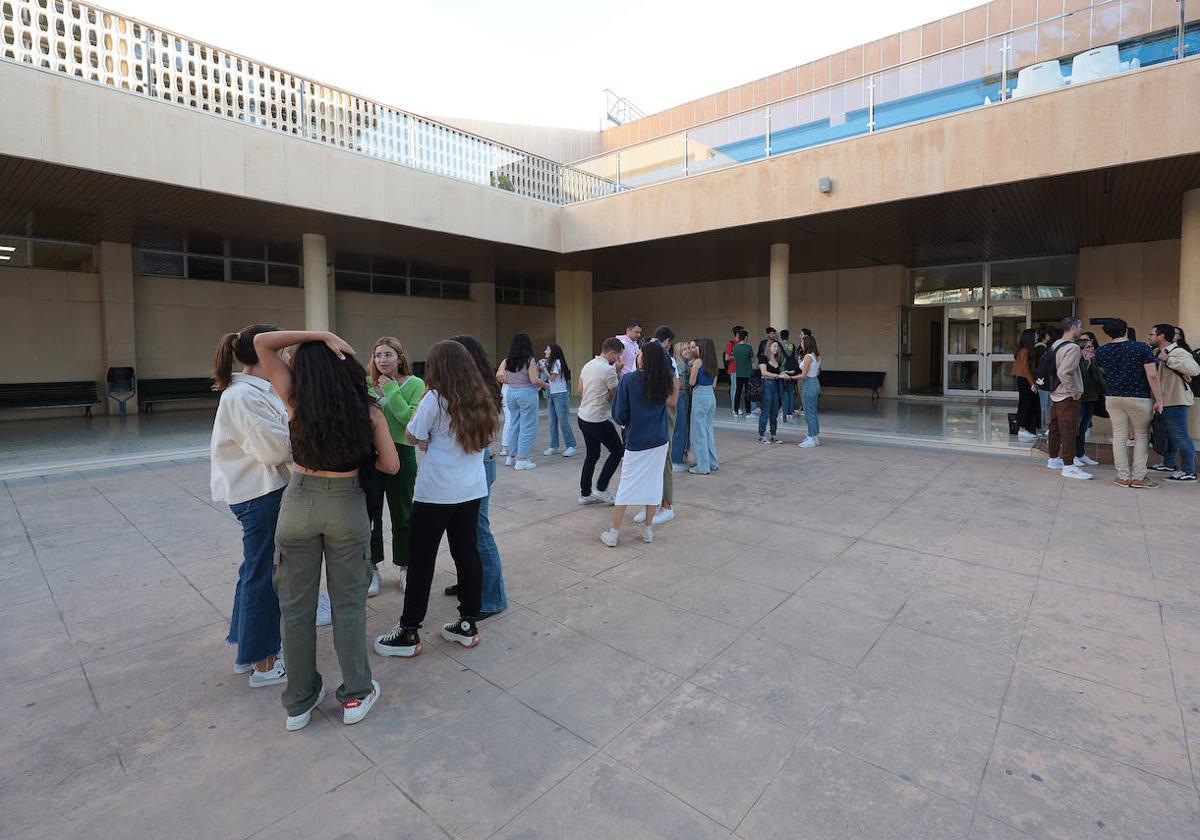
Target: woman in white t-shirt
[454,423]
[559,399]
[810,388]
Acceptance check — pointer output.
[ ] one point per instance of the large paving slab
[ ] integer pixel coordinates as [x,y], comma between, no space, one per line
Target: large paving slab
[857,641]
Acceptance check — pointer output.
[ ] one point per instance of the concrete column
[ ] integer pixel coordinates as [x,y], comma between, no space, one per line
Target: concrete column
[573,316]
[315,271]
[780,265]
[483,307]
[117,318]
[1189,282]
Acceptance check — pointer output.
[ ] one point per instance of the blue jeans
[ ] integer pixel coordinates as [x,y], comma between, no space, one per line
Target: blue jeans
[787,391]
[560,416]
[679,442]
[810,390]
[492,597]
[1044,401]
[733,392]
[1086,409]
[523,414]
[1183,452]
[704,444]
[254,627]
[770,406]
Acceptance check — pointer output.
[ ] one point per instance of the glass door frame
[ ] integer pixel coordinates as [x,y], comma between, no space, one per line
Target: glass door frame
[992,356]
[976,358]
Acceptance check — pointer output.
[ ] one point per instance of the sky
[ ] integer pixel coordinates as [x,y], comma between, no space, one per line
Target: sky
[534,61]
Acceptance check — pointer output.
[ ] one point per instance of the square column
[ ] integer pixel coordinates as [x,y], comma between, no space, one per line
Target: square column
[483,308]
[573,316]
[780,269]
[315,273]
[117,317]
[1189,282]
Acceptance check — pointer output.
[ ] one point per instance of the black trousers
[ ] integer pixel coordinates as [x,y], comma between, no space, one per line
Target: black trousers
[743,390]
[429,522]
[1029,410]
[595,434]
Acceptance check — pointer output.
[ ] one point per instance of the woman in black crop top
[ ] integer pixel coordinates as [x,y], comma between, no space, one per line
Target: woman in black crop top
[335,429]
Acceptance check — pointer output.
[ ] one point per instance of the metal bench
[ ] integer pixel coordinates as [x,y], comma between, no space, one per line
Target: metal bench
[50,395]
[870,380]
[151,391]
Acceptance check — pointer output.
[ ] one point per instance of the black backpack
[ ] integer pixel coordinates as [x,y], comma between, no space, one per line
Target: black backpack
[1194,384]
[1046,374]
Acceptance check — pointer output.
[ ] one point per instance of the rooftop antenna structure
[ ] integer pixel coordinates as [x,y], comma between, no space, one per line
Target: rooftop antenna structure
[618,110]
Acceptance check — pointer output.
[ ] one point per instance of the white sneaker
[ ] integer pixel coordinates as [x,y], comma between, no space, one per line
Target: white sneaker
[324,613]
[297,722]
[640,517]
[610,537]
[808,443]
[647,534]
[549,452]
[355,710]
[242,669]
[404,578]
[663,516]
[373,589]
[1085,461]
[757,412]
[1054,464]
[1072,471]
[602,497]
[276,675]
[569,451]
[1026,437]
[508,461]
[503,452]
[679,468]
[525,465]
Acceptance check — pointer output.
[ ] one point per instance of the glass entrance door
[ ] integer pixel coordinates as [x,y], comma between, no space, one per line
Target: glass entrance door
[1006,322]
[964,358]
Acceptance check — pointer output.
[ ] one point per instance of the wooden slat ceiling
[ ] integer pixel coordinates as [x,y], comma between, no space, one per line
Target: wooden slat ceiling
[1045,216]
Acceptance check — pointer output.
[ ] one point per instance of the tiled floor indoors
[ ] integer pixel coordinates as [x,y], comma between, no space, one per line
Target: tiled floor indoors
[858,641]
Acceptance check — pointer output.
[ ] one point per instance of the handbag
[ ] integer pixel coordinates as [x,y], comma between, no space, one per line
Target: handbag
[1160,435]
[754,389]
[1101,409]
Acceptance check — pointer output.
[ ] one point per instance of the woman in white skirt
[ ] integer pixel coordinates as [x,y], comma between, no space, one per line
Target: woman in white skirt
[641,407]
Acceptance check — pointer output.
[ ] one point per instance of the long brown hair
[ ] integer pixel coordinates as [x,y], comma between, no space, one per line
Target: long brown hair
[708,358]
[474,415]
[403,368]
[236,345]
[808,344]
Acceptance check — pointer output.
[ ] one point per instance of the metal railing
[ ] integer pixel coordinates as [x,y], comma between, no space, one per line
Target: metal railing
[975,74]
[103,47]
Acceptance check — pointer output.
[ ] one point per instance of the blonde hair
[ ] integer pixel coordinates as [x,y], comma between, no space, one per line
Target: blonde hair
[403,368]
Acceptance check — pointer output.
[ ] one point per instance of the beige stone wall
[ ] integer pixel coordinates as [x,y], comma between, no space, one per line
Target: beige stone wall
[538,321]
[50,326]
[417,322]
[1138,282]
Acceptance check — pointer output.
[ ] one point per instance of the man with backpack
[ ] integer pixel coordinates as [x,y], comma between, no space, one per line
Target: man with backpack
[1059,375]
[1178,372]
[1132,396]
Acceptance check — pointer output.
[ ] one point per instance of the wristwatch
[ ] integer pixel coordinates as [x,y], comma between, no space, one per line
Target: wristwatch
[381,401]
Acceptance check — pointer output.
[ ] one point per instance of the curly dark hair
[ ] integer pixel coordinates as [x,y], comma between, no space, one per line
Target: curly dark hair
[480,357]
[520,353]
[474,414]
[657,375]
[331,410]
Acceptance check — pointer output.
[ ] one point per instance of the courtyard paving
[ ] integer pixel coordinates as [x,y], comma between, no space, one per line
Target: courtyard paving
[855,641]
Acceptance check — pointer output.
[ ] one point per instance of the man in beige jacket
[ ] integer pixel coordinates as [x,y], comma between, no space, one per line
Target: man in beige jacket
[1065,401]
[1176,367]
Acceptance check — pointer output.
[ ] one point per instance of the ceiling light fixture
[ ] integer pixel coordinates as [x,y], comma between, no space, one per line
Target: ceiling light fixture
[8,247]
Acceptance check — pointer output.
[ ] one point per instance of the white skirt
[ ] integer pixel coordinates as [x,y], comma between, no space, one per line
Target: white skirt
[642,476]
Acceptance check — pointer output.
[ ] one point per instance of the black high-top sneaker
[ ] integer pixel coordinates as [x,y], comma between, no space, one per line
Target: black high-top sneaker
[399,641]
[462,631]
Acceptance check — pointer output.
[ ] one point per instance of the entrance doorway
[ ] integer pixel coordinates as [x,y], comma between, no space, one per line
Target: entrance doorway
[961,328]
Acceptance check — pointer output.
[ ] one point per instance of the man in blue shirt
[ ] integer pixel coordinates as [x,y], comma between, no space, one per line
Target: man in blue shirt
[1133,397]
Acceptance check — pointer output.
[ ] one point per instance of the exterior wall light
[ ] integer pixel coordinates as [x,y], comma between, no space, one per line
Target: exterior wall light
[825,185]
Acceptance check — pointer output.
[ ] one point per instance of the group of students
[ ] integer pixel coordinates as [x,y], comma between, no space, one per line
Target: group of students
[770,377]
[522,376]
[306,447]
[1130,382]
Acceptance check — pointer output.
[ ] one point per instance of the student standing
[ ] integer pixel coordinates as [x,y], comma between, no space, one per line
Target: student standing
[249,463]
[335,431]
[774,376]
[597,386]
[680,442]
[665,336]
[559,400]
[630,341]
[493,598]
[1093,392]
[810,389]
[1065,400]
[396,391]
[731,366]
[641,407]
[1028,408]
[520,373]
[743,358]
[1176,370]
[454,424]
[1133,397]
[703,375]
[787,387]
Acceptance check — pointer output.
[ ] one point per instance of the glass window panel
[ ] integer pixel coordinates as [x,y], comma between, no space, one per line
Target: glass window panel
[1002,377]
[455,290]
[64,256]
[1034,279]
[964,376]
[352,281]
[247,249]
[162,265]
[284,275]
[205,268]
[247,272]
[385,284]
[425,271]
[947,284]
[426,288]
[352,262]
[457,275]
[390,265]
[203,243]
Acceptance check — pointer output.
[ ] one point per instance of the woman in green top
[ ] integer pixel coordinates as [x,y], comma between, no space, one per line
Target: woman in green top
[397,392]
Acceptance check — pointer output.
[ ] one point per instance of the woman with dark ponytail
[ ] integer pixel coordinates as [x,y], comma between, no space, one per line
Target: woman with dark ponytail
[250,455]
